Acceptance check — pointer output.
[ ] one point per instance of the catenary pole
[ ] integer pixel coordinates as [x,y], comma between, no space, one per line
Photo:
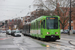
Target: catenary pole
[70,19]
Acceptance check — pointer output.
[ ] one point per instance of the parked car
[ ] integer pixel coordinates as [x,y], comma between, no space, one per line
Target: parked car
[3,31]
[12,32]
[0,31]
[20,31]
[66,31]
[8,32]
[73,31]
[17,33]
[62,31]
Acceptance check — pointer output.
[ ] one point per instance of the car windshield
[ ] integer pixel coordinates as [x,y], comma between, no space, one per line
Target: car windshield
[13,30]
[17,31]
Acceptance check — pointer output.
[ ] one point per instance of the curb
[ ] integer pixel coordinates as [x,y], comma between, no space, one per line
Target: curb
[72,42]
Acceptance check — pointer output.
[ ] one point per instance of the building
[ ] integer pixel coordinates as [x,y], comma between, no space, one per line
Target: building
[65,14]
[14,22]
[72,19]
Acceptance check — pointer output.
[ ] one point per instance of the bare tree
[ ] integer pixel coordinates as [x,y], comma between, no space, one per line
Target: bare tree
[73,3]
[61,9]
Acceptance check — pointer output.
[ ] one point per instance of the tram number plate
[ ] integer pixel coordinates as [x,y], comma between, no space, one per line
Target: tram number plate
[52,36]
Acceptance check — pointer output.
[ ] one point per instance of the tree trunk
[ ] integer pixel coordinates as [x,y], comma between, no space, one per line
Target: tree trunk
[63,28]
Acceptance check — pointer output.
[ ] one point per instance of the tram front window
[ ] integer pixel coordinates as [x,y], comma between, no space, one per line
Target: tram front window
[52,23]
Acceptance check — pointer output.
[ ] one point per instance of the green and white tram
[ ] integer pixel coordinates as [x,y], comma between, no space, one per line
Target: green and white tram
[46,28]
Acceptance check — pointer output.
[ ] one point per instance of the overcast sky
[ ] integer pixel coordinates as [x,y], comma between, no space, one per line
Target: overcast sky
[14,8]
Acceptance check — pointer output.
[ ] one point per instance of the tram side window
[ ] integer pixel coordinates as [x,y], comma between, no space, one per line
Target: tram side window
[59,23]
[39,24]
[26,27]
[34,25]
[31,26]
[44,24]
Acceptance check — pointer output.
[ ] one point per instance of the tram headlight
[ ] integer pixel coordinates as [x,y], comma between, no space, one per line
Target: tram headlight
[48,33]
[56,32]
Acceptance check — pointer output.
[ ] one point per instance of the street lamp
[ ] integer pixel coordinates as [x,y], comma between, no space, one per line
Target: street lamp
[70,19]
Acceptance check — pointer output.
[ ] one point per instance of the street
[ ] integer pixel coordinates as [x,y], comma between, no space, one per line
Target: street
[8,42]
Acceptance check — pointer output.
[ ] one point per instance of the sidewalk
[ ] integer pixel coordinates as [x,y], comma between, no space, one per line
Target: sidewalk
[68,35]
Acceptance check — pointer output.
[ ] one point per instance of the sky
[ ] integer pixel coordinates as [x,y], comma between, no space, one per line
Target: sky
[14,8]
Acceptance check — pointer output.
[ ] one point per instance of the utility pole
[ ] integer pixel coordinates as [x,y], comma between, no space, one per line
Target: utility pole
[70,19]
[6,26]
[56,3]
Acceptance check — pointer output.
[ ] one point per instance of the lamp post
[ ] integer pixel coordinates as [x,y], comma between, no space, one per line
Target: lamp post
[70,19]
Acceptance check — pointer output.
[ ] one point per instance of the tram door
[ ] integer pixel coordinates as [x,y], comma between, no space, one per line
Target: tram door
[29,28]
[43,26]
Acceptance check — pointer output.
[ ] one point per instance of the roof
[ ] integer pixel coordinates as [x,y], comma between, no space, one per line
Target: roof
[42,17]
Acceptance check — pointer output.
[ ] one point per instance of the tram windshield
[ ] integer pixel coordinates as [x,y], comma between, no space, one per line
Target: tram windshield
[52,23]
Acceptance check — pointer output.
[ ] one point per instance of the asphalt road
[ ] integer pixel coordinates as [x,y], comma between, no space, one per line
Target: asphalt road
[8,42]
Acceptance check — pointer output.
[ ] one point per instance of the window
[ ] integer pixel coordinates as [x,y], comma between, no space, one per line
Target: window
[71,27]
[38,24]
[34,25]
[59,23]
[44,24]
[71,21]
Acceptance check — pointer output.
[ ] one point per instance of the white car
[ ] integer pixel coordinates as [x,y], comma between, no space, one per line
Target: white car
[8,32]
[17,33]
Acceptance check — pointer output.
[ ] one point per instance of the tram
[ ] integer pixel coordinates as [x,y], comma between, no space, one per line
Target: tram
[45,28]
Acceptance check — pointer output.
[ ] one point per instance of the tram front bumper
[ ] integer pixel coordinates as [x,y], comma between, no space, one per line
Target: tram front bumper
[52,37]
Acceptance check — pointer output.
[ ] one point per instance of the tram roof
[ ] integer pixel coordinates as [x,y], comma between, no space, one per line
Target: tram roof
[42,17]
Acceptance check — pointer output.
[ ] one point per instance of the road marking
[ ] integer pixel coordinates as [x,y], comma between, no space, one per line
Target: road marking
[5,38]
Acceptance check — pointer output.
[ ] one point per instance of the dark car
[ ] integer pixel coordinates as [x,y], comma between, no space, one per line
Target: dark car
[12,32]
[17,33]
[73,31]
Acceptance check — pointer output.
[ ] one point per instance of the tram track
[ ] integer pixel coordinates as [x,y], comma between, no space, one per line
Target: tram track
[63,42]
[56,44]
[70,41]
